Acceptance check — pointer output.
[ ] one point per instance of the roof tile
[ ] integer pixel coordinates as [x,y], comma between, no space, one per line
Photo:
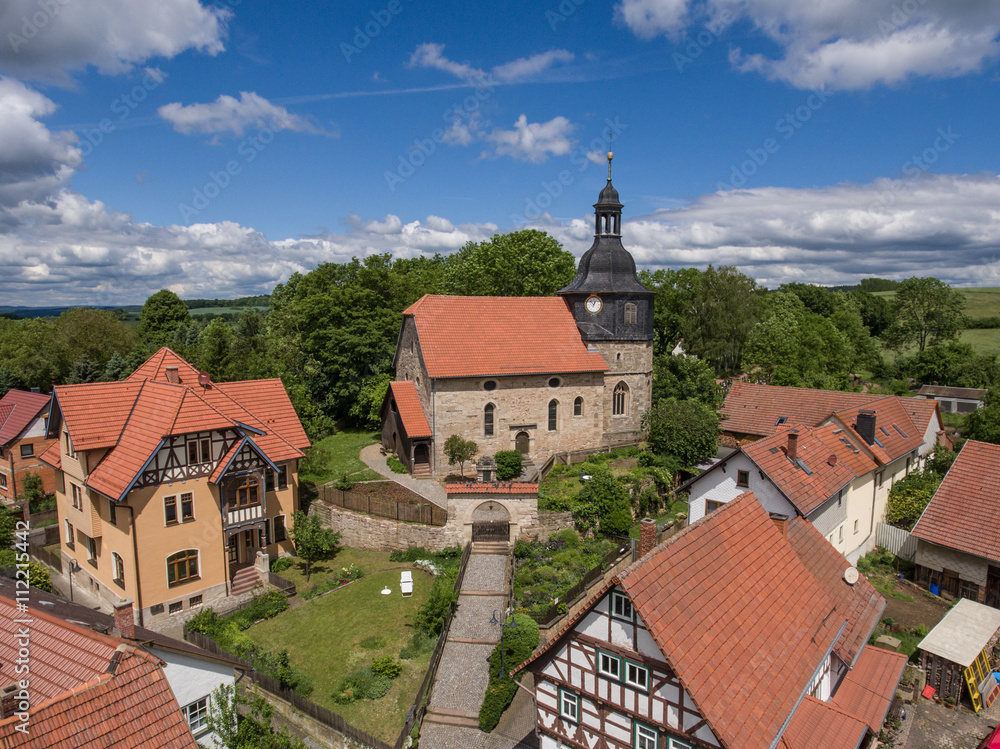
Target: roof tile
[17,409]
[411,412]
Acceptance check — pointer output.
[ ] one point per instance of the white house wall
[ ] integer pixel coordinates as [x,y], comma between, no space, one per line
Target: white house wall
[194,678]
[719,485]
[35,429]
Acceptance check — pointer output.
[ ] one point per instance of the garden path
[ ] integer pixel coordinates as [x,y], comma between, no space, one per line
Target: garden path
[429,489]
[453,713]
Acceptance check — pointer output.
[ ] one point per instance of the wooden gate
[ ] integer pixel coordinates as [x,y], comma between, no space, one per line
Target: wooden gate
[491,530]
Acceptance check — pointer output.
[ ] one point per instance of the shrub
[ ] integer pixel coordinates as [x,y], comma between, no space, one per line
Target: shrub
[517,644]
[411,554]
[281,564]
[523,549]
[395,464]
[418,645]
[344,483]
[509,464]
[568,536]
[38,575]
[262,607]
[440,603]
[387,666]
[375,642]
[362,684]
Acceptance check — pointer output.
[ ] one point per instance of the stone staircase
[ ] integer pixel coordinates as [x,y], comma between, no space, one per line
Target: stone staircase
[245,580]
[491,547]
[421,471]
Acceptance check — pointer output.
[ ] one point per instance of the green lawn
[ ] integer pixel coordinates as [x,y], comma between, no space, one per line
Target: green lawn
[338,454]
[323,636]
[982,340]
[979,301]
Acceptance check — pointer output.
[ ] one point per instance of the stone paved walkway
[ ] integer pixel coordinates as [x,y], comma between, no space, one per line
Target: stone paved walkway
[464,670]
[429,489]
[930,725]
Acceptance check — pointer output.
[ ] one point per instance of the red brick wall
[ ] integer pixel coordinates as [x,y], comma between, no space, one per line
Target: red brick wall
[24,466]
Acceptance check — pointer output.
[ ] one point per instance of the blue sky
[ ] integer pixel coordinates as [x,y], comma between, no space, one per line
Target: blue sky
[216,148]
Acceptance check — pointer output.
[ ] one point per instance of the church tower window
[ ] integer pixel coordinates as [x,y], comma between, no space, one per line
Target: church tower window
[619,404]
[553,414]
[630,313]
[488,420]
[578,406]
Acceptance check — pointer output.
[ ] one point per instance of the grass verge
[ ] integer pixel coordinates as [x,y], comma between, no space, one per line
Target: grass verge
[333,456]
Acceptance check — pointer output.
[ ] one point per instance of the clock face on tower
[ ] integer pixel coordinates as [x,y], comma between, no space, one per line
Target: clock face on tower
[593,304]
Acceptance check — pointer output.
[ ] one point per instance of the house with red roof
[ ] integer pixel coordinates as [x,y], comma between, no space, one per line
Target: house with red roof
[834,469]
[958,533]
[23,418]
[743,631]
[170,486]
[540,375]
[63,684]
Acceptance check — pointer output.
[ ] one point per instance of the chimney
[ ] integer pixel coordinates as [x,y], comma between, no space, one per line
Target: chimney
[781,522]
[173,375]
[647,536]
[9,699]
[793,445]
[866,426]
[125,619]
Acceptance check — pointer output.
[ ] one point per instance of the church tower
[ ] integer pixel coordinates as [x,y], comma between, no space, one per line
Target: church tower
[614,313]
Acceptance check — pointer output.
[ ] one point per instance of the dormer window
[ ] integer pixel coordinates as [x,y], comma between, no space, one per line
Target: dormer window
[199,450]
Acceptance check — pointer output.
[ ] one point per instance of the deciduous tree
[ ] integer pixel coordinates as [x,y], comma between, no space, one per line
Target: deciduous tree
[687,430]
[927,311]
[161,315]
[459,450]
[313,542]
[521,263]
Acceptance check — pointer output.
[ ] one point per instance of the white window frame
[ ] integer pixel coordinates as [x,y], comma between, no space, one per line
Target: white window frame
[644,737]
[634,682]
[118,568]
[284,529]
[611,658]
[570,700]
[620,601]
[200,710]
[3,480]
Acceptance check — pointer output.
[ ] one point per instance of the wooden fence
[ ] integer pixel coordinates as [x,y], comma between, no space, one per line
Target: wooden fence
[896,540]
[415,510]
[45,556]
[285,586]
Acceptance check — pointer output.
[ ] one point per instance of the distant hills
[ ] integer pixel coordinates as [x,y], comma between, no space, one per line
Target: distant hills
[197,306]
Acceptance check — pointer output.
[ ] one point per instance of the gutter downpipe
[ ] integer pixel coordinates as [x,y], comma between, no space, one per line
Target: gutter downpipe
[135,556]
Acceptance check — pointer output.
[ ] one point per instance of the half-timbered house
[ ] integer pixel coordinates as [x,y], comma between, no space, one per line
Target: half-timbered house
[744,631]
[169,484]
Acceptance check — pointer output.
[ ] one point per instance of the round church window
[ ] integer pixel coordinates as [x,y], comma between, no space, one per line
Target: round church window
[554,382]
[490,385]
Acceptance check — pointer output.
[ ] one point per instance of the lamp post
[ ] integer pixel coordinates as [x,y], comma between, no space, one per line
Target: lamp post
[73,567]
[503,626]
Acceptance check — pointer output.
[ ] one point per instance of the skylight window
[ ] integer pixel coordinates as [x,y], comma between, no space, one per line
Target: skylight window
[900,431]
[884,431]
[781,420]
[879,443]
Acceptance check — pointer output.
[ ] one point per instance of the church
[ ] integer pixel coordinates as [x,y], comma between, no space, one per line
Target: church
[540,375]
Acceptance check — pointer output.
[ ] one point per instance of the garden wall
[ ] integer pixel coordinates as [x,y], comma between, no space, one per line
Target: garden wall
[549,523]
[368,532]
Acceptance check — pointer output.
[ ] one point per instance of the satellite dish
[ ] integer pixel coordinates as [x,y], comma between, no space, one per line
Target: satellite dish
[851,575]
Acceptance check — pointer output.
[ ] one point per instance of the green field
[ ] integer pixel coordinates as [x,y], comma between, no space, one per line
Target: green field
[979,301]
[221,310]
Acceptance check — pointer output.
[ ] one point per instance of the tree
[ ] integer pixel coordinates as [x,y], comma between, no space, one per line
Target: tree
[33,492]
[908,498]
[724,307]
[83,371]
[687,430]
[672,305]
[459,450]
[249,728]
[684,377]
[367,409]
[8,523]
[161,315]
[92,334]
[983,424]
[313,542]
[38,574]
[116,369]
[215,347]
[521,263]
[609,500]
[927,311]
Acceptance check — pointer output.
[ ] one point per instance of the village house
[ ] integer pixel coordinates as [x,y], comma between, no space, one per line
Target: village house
[168,484]
[954,400]
[541,375]
[85,689]
[23,420]
[743,631]
[958,534]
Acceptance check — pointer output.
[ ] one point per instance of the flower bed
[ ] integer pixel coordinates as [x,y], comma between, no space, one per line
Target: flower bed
[347,575]
[546,570]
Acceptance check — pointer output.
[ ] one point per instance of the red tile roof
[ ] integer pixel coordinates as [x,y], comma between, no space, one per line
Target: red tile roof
[743,622]
[88,690]
[17,409]
[411,413]
[464,336]
[895,432]
[817,724]
[868,689]
[964,513]
[860,604]
[756,409]
[133,416]
[810,480]
[507,487]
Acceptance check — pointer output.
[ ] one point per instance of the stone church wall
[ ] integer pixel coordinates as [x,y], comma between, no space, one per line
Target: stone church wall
[631,363]
[521,403]
[410,364]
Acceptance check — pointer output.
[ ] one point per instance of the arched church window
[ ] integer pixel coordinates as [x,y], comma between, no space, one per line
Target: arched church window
[488,420]
[630,313]
[553,414]
[578,406]
[619,404]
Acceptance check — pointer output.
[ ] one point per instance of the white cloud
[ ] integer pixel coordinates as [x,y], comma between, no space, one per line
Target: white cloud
[47,40]
[228,114]
[839,44]
[431,55]
[532,141]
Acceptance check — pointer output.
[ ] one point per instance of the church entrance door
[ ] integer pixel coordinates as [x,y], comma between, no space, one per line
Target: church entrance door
[521,442]
[421,459]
